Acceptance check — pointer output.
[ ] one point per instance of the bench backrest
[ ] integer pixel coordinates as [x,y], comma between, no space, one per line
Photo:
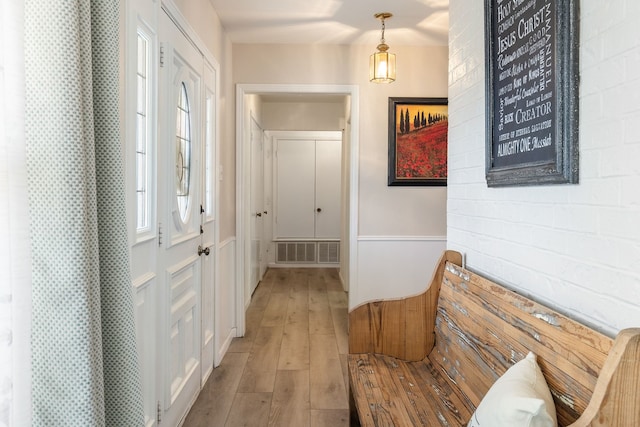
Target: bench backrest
[483,328]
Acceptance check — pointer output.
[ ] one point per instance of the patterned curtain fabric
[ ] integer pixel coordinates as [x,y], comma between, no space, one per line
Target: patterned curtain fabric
[85,369]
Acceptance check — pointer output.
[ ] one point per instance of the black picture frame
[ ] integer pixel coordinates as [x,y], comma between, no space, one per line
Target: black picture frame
[418,140]
[532,89]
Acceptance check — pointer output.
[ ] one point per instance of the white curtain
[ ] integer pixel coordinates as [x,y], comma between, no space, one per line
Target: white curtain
[84,360]
[15,262]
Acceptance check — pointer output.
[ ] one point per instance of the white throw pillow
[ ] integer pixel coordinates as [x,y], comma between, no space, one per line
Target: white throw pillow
[518,398]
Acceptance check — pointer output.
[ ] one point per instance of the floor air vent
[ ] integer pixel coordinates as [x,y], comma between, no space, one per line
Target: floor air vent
[296,252]
[329,252]
[305,252]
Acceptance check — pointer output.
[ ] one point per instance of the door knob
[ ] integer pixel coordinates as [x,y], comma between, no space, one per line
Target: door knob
[265,212]
[318,210]
[202,250]
[258,214]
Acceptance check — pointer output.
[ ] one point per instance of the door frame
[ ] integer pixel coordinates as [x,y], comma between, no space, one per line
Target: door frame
[242,191]
[253,124]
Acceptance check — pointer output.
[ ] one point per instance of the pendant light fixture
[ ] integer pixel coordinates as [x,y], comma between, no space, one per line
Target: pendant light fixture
[382,64]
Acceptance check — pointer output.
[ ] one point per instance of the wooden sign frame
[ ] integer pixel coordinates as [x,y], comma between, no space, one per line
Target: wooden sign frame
[532,89]
[418,141]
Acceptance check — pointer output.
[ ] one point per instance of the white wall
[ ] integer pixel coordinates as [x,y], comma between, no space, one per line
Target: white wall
[404,215]
[346,195]
[576,247]
[303,115]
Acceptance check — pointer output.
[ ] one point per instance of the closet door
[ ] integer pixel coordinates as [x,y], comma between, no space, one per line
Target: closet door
[295,189]
[328,190]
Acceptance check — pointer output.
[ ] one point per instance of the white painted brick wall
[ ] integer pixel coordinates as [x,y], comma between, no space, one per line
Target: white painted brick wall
[576,247]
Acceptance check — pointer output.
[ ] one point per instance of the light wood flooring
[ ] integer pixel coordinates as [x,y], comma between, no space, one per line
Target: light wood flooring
[290,368]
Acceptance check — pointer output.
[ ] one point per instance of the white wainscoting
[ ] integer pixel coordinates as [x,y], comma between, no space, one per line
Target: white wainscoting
[145,288]
[391,267]
[225,299]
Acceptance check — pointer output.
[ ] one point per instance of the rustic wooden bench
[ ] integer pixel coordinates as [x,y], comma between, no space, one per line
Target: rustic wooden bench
[428,360]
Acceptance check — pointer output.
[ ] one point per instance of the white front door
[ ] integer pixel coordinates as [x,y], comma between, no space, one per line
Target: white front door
[257,205]
[180,188]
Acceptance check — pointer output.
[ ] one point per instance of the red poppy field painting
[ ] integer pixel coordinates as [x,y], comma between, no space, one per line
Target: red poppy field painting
[418,129]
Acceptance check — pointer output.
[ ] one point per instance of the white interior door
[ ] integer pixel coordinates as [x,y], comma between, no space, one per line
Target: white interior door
[295,182]
[267,178]
[257,204]
[180,144]
[328,187]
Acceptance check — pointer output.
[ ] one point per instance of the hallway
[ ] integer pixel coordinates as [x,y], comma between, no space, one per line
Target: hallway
[290,369]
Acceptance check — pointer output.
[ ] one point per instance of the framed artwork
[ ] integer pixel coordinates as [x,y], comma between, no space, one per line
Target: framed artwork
[418,137]
[532,87]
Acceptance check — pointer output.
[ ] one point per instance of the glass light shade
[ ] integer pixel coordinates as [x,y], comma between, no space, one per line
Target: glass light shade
[382,67]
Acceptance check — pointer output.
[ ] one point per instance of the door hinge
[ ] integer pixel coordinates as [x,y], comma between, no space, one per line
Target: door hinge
[159,413]
[201,230]
[201,209]
[161,55]
[159,234]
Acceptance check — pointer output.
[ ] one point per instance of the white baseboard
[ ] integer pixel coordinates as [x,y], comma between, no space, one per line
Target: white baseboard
[281,265]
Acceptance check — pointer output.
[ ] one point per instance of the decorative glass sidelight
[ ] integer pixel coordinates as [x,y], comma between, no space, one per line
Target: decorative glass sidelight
[183,152]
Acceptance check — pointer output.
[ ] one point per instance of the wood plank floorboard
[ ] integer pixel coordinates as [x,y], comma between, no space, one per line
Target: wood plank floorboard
[328,389]
[329,417]
[290,367]
[249,410]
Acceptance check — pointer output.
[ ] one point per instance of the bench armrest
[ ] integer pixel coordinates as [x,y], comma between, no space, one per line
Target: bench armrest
[616,398]
[402,328]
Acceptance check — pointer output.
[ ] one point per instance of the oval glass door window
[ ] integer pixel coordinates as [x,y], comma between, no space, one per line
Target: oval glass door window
[183,152]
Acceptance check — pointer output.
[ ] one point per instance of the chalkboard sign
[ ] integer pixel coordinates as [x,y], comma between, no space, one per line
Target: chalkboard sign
[532,91]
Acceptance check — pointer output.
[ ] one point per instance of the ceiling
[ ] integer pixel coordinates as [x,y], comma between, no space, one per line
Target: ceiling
[414,22]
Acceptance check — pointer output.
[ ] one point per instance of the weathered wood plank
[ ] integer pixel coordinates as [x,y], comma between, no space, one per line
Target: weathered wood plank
[616,398]
[500,327]
[449,405]
[399,328]
[480,329]
[378,404]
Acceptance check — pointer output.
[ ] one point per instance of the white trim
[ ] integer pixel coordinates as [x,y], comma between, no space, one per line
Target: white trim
[241,194]
[227,241]
[402,238]
[15,271]
[304,134]
[141,282]
[317,265]
[182,24]
[301,239]
[224,348]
